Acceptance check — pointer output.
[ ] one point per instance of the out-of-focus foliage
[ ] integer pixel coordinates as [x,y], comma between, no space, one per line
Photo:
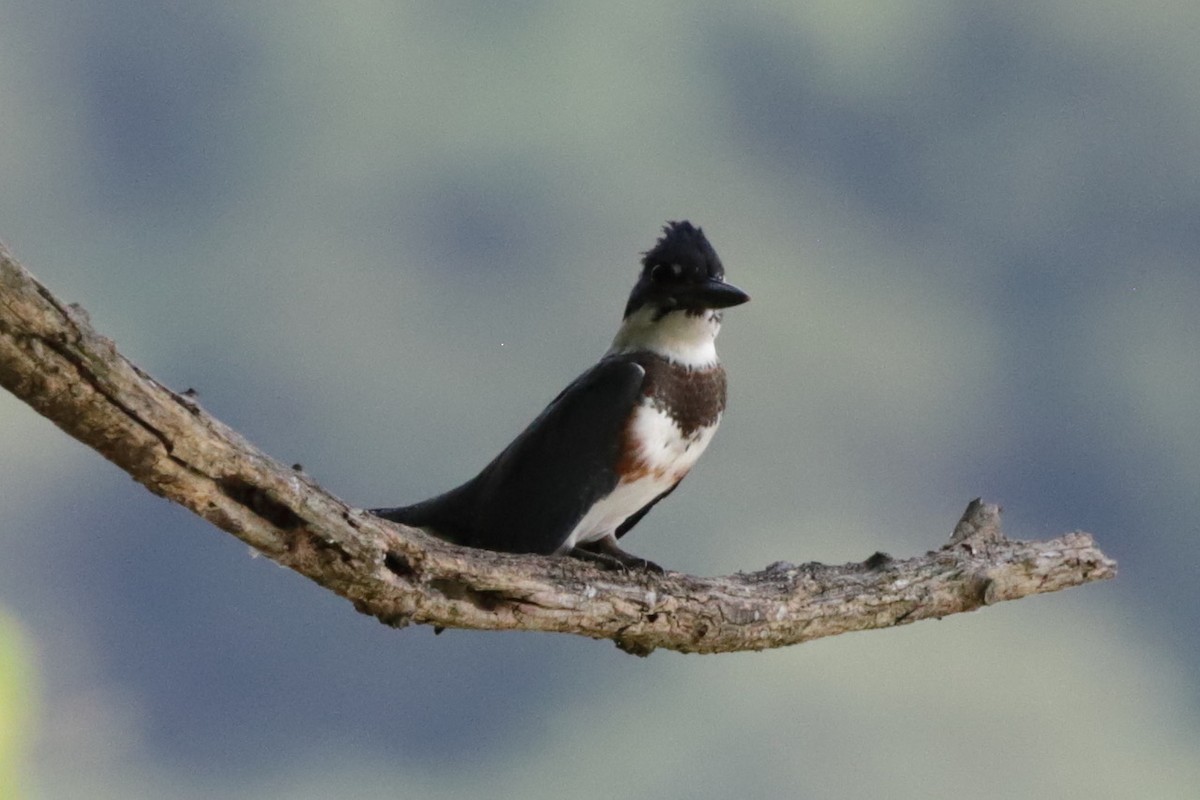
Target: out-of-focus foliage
[17,704]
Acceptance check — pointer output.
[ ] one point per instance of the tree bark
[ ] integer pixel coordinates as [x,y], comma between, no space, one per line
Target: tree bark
[51,358]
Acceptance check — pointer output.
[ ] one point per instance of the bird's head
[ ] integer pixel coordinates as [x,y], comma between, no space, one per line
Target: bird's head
[675,307]
[682,272]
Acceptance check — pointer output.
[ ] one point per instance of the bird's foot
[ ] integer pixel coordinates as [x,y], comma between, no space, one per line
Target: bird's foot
[606,554]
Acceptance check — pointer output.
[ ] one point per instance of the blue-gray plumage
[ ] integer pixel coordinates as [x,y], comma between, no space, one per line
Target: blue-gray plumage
[620,437]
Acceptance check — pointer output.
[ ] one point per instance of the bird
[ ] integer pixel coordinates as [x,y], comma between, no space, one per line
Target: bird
[619,438]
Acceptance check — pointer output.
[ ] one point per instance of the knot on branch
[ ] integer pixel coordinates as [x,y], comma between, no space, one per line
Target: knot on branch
[978,528]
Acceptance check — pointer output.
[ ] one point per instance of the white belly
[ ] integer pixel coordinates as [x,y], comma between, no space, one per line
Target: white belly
[664,457]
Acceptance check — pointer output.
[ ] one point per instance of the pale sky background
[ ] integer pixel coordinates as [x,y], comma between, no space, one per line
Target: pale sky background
[378,237]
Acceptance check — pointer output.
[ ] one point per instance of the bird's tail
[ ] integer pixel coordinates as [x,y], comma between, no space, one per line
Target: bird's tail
[401,514]
[446,516]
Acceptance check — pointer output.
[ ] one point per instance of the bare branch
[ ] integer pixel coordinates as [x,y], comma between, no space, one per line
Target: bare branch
[51,358]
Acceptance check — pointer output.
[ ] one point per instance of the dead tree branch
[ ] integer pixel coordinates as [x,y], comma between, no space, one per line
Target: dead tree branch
[51,358]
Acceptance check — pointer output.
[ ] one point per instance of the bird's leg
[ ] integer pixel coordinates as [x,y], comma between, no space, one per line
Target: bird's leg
[607,554]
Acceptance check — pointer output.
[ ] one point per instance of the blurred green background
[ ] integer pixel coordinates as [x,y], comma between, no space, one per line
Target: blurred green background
[378,237]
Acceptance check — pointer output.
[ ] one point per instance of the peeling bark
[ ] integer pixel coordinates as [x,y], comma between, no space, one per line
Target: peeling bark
[51,358]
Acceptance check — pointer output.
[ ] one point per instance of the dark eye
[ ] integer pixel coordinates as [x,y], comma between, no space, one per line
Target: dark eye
[665,272]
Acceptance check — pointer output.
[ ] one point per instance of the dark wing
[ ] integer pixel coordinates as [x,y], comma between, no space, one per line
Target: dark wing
[530,497]
[533,494]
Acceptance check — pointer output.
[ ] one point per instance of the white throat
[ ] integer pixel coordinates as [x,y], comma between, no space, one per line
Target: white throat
[686,339]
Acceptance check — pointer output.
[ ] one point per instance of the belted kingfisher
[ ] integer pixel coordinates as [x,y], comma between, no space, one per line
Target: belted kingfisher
[620,437]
